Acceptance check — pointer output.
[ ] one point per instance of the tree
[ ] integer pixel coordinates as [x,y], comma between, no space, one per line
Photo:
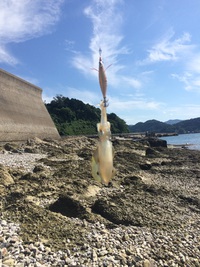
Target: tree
[117,125]
[72,117]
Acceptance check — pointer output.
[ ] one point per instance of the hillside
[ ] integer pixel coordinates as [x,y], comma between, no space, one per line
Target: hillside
[186,126]
[152,126]
[172,122]
[192,125]
[73,117]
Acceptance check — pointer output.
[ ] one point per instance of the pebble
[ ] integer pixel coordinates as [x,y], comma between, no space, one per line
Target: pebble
[117,247]
[25,161]
[175,248]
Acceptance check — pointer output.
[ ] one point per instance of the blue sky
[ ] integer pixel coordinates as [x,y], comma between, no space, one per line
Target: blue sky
[153,46]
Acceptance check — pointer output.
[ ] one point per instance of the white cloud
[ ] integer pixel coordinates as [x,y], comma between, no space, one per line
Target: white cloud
[180,49]
[194,63]
[106,18]
[82,63]
[134,83]
[190,80]
[183,112]
[86,96]
[169,49]
[115,103]
[69,45]
[191,76]
[46,98]
[5,56]
[129,110]
[133,109]
[25,19]
[135,104]
[162,113]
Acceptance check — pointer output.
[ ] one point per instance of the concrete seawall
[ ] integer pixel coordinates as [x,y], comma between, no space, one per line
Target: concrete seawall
[23,114]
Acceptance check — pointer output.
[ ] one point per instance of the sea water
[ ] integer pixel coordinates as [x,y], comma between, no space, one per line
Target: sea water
[192,141]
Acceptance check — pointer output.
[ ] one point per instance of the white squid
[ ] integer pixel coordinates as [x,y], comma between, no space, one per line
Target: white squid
[102,159]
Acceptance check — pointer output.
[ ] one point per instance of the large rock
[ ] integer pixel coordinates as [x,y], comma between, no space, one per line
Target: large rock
[5,177]
[155,142]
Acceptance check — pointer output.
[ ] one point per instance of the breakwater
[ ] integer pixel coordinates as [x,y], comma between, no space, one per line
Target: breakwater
[23,114]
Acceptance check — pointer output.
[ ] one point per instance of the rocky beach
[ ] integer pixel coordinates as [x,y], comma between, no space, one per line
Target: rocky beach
[54,214]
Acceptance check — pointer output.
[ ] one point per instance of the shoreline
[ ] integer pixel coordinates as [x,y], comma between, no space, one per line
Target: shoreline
[148,216]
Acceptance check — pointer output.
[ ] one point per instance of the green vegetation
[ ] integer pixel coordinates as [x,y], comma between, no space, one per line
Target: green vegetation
[152,126]
[186,126]
[73,117]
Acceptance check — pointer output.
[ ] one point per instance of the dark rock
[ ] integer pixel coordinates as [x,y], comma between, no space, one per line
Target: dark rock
[145,166]
[132,180]
[11,148]
[13,198]
[191,200]
[85,154]
[116,214]
[29,149]
[39,168]
[151,152]
[69,207]
[155,142]
[30,177]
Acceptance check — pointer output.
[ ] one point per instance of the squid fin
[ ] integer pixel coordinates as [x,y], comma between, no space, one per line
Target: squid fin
[95,166]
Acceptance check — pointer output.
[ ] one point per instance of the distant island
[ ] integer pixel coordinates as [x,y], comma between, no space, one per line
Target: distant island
[179,127]
[171,122]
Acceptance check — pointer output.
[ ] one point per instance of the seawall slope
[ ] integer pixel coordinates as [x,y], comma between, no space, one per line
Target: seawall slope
[23,114]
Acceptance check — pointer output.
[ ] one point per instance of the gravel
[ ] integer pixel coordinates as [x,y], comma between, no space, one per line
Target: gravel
[25,161]
[121,246]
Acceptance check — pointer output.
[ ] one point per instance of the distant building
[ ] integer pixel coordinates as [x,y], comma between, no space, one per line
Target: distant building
[23,114]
